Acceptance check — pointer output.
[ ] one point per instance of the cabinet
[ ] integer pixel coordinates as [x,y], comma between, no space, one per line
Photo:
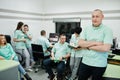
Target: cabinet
[9,70]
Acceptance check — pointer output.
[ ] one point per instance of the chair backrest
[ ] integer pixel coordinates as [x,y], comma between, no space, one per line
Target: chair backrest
[8,38]
[37,50]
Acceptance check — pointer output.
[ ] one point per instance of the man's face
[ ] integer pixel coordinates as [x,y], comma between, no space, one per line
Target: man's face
[62,39]
[97,17]
[25,28]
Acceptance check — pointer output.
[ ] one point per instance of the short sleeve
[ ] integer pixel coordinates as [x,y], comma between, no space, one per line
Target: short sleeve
[108,36]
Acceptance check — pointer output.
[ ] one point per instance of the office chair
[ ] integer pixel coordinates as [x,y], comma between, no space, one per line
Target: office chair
[8,38]
[38,55]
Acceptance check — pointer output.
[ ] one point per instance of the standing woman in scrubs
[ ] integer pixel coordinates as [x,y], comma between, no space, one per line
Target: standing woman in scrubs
[20,47]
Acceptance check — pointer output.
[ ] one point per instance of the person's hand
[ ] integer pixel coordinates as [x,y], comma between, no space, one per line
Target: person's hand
[25,32]
[1,58]
[23,40]
[61,58]
[46,51]
[52,58]
[12,57]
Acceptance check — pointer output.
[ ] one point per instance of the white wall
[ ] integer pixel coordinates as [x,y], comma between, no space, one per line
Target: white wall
[83,8]
[35,6]
[61,6]
[39,14]
[8,26]
[27,11]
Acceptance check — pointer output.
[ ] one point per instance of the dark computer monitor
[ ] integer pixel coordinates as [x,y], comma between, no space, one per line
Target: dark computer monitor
[114,48]
[53,37]
[67,28]
[114,45]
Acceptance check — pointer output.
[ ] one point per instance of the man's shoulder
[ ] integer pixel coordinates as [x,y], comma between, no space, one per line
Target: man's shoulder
[56,44]
[42,38]
[106,28]
[87,27]
[66,43]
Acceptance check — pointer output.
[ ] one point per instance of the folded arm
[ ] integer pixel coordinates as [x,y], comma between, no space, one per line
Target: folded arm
[94,45]
[101,48]
[85,44]
[19,40]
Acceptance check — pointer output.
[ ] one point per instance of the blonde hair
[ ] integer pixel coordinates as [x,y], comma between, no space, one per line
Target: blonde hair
[99,11]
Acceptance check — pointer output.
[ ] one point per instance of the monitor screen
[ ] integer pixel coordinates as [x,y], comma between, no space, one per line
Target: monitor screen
[67,28]
[53,37]
[114,45]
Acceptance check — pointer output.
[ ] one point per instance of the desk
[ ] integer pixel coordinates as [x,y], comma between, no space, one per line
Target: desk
[8,70]
[113,71]
[116,57]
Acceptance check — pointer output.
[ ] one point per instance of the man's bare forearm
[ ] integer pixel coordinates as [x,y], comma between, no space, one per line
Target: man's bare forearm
[101,48]
[86,44]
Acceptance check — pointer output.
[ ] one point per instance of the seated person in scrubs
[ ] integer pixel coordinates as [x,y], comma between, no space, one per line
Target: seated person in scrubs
[59,54]
[7,53]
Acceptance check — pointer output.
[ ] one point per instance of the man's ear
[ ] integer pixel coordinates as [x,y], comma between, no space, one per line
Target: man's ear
[102,16]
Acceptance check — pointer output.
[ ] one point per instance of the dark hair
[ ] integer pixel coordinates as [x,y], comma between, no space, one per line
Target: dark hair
[26,25]
[19,25]
[78,30]
[62,34]
[43,32]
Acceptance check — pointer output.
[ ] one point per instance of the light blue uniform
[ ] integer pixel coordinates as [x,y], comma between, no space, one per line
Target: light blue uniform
[28,45]
[18,34]
[20,47]
[45,44]
[28,41]
[7,52]
[60,50]
[101,34]
[75,40]
[75,56]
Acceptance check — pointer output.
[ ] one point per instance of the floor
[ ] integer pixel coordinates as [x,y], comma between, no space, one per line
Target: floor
[40,75]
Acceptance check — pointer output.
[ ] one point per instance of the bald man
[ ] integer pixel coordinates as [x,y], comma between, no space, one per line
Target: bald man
[96,40]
